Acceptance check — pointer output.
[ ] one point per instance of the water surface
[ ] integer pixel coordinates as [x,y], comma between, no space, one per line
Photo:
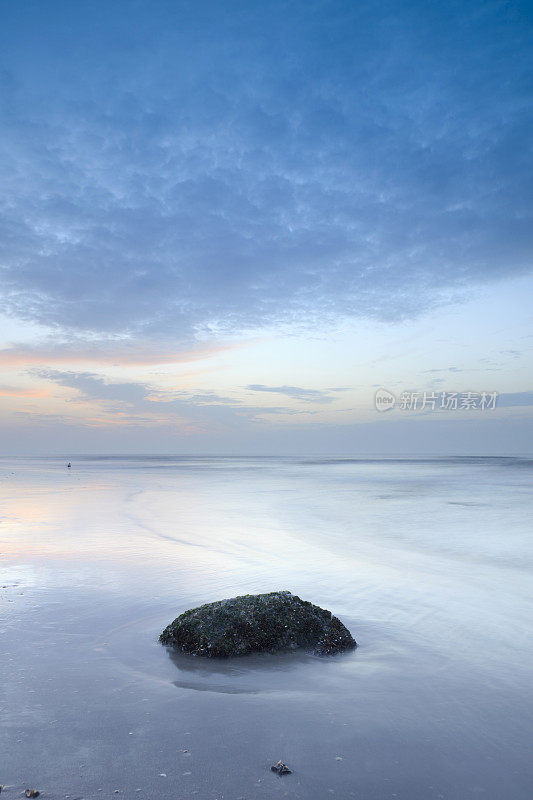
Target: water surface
[427,562]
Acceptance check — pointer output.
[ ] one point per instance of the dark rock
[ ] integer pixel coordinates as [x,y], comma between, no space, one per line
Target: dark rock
[281,768]
[261,623]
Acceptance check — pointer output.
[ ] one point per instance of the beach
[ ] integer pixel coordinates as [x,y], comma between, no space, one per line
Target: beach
[426,561]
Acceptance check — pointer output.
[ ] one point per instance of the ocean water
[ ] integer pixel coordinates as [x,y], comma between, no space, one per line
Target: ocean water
[427,561]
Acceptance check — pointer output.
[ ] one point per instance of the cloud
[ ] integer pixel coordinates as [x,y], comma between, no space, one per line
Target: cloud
[294,392]
[242,167]
[92,387]
[21,391]
[444,369]
[515,399]
[129,353]
[137,403]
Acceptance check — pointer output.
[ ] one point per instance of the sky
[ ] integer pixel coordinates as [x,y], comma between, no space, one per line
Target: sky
[225,226]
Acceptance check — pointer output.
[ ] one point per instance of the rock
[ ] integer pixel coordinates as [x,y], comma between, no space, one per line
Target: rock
[261,623]
[281,768]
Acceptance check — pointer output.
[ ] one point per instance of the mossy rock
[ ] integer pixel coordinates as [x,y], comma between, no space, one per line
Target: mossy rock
[260,623]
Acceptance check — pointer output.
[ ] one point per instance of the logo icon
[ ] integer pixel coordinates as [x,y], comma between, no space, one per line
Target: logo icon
[384,400]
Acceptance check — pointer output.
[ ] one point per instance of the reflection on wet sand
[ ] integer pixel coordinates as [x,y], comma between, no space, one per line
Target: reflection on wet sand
[426,562]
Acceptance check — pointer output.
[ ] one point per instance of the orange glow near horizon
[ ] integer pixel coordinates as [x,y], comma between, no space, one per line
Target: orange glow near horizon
[14,391]
[114,354]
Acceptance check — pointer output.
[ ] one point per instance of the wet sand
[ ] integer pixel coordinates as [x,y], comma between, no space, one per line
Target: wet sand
[434,703]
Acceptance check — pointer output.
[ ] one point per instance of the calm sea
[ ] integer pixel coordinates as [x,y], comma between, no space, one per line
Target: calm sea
[427,561]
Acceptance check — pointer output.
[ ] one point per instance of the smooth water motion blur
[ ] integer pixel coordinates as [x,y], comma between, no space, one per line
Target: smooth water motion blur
[427,562]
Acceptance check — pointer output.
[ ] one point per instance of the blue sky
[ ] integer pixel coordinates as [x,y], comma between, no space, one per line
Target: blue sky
[224,225]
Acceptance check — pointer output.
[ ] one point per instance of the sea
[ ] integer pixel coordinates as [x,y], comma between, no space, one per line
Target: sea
[427,561]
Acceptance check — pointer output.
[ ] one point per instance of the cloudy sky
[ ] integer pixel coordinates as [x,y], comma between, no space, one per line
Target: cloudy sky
[225,225]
